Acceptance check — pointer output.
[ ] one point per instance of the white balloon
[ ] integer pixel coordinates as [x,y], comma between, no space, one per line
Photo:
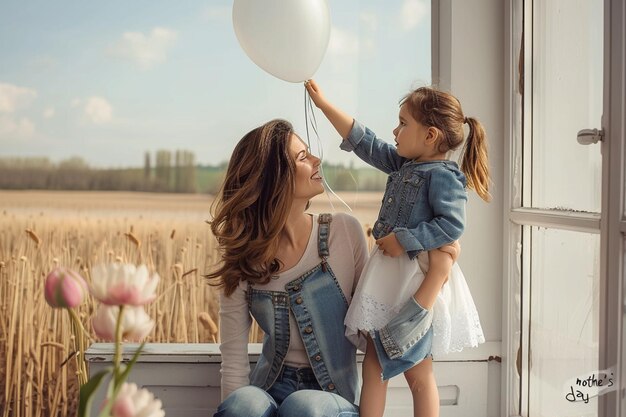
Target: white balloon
[287,38]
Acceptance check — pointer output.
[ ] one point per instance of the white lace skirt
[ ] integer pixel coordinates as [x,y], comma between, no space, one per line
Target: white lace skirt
[386,284]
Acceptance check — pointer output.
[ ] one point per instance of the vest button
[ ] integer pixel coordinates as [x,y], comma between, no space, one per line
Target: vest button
[331,387]
[299,300]
[318,357]
[308,329]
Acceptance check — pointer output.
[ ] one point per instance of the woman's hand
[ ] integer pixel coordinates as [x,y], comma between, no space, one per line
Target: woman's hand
[440,260]
[390,246]
[453,249]
[316,94]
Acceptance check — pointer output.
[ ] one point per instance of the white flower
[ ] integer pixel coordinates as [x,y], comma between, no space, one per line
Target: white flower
[136,323]
[134,402]
[118,284]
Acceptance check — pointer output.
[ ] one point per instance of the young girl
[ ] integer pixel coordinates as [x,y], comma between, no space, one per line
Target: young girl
[406,315]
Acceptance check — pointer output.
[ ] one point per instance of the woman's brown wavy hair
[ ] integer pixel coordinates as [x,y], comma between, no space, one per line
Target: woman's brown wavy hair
[443,111]
[252,207]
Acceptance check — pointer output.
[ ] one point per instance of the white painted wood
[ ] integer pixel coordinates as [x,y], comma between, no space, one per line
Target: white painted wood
[613,265]
[186,378]
[209,352]
[480,353]
[468,60]
[461,391]
[554,219]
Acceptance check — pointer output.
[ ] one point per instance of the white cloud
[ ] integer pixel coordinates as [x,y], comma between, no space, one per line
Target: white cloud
[413,13]
[12,100]
[216,13]
[13,126]
[13,97]
[98,110]
[343,43]
[48,113]
[343,49]
[145,50]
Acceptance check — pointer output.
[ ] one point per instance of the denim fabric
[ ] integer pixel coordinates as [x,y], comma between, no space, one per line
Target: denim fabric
[319,306]
[424,202]
[295,393]
[248,401]
[411,357]
[291,380]
[405,341]
[323,233]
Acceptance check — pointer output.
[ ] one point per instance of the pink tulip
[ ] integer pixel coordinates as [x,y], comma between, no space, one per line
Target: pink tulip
[136,323]
[134,402]
[123,284]
[64,288]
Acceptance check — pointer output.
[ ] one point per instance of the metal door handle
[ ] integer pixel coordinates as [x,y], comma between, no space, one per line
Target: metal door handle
[589,136]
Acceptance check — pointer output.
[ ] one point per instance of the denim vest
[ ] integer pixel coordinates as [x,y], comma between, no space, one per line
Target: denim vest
[319,307]
[424,202]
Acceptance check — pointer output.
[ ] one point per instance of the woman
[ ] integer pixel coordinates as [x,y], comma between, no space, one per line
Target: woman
[294,273]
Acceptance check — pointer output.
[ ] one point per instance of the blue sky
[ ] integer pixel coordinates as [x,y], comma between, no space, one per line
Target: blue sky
[108,81]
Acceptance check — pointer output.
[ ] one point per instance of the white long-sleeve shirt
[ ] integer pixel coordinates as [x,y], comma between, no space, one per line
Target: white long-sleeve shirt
[348,254]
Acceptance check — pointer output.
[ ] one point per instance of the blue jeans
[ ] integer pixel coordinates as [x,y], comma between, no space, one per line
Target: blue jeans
[295,393]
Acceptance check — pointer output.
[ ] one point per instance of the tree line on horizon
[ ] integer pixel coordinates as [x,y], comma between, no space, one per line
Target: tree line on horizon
[165,171]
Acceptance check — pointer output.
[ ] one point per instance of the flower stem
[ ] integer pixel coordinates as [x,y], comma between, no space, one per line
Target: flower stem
[80,326]
[118,344]
[79,345]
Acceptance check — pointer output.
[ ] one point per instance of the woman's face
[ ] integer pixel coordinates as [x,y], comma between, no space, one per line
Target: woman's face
[308,176]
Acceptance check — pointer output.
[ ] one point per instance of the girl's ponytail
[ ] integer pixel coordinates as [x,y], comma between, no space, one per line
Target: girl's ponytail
[474,162]
[442,110]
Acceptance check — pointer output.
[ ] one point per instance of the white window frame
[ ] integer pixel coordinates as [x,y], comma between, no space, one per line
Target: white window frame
[510,401]
[613,306]
[611,224]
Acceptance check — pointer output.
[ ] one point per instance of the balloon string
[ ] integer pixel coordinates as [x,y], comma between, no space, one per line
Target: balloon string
[308,108]
[306,119]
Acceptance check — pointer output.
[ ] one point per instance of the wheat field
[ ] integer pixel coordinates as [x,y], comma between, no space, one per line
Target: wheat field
[40,230]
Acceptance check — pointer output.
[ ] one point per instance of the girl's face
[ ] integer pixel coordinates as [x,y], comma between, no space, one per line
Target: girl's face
[413,139]
[308,178]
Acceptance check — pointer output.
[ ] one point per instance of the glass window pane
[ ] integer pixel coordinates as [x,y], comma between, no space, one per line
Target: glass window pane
[189,84]
[566,98]
[564,320]
[370,40]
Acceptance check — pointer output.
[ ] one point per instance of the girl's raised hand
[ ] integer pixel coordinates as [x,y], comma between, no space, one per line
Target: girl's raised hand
[341,121]
[316,93]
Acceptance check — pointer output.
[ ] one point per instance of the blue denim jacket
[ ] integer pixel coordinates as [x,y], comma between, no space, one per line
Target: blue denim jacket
[424,202]
[319,306]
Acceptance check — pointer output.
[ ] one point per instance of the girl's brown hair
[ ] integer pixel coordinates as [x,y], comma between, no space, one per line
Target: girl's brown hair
[253,205]
[434,108]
